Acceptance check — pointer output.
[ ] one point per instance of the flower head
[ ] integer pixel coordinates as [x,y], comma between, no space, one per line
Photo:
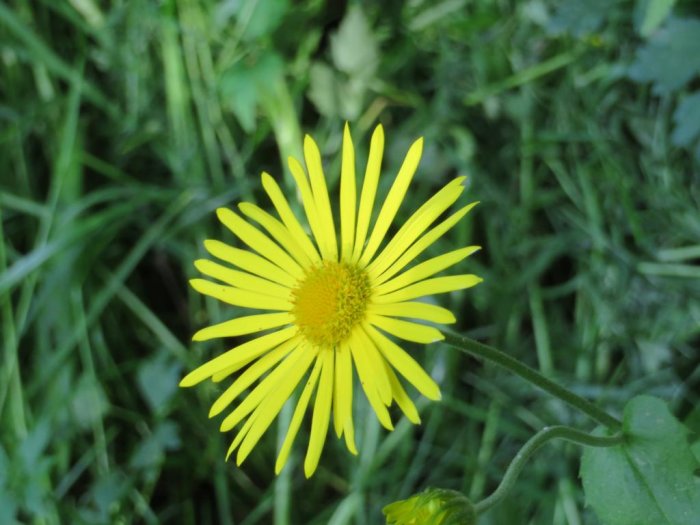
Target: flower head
[432,507]
[329,305]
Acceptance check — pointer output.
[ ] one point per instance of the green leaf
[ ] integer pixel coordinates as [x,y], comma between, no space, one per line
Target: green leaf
[650,14]
[580,18]
[687,121]
[354,47]
[157,379]
[650,479]
[671,58]
[323,89]
[246,82]
[257,18]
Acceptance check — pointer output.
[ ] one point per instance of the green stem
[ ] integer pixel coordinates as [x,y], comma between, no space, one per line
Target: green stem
[500,358]
[535,442]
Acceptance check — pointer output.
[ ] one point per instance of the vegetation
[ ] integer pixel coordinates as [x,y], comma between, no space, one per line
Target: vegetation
[124,125]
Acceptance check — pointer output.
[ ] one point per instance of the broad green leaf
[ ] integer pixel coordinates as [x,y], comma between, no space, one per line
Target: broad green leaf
[157,379]
[243,85]
[650,14]
[323,89]
[671,58]
[151,450]
[649,480]
[354,47]
[580,18]
[686,120]
[257,18]
[89,402]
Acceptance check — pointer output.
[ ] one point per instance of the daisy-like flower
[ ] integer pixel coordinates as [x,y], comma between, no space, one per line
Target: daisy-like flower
[330,307]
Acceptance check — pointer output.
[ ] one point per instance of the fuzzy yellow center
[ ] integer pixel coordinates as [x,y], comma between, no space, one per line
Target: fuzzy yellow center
[330,301]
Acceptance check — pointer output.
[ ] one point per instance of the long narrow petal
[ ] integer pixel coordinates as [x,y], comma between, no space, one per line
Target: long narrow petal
[251,374]
[268,409]
[239,297]
[277,230]
[418,333]
[342,398]
[369,190]
[402,399]
[433,286]
[349,435]
[238,357]
[322,414]
[279,201]
[243,280]
[405,364]
[241,434]
[301,357]
[250,262]
[312,156]
[425,241]
[416,225]
[347,196]
[297,417]
[414,310]
[367,380]
[259,242]
[244,325]
[425,269]
[393,201]
[376,363]
[312,213]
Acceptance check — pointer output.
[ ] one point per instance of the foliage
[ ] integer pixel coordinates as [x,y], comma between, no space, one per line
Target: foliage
[650,479]
[125,124]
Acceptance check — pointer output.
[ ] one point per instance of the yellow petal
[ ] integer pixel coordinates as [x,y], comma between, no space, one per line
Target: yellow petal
[238,357]
[368,381]
[309,203]
[405,364]
[342,399]
[243,280]
[433,286]
[349,434]
[393,200]
[244,325]
[252,374]
[425,241]
[297,417]
[416,225]
[312,156]
[277,230]
[369,190]
[259,242]
[239,297]
[268,409]
[241,434]
[290,220]
[375,362]
[322,414]
[250,262]
[301,356]
[414,310]
[402,399]
[347,196]
[418,333]
[425,269]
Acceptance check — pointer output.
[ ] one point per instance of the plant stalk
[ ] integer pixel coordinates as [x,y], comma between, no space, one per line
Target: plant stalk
[530,447]
[500,358]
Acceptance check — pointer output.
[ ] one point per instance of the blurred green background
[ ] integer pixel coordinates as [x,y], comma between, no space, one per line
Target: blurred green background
[124,124]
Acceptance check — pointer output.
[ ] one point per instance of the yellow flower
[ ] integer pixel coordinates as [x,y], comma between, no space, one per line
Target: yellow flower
[330,305]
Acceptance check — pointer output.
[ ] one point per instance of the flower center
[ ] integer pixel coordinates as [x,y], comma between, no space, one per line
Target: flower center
[330,301]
